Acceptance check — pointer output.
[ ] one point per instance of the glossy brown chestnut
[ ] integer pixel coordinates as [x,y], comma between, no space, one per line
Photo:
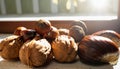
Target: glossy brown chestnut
[64,48]
[63,31]
[52,34]
[109,34]
[77,33]
[98,49]
[83,25]
[28,34]
[42,26]
[18,30]
[35,52]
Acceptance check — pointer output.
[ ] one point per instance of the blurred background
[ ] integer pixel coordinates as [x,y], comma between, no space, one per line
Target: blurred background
[97,14]
[42,8]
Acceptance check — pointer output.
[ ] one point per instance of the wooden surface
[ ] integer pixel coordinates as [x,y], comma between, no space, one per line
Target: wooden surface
[5,64]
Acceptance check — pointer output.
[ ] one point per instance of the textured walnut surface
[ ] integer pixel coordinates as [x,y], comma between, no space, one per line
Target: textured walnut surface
[4,64]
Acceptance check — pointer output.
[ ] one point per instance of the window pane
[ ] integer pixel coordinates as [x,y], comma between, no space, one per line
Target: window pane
[0,9]
[27,6]
[45,6]
[95,7]
[10,6]
[63,7]
[88,7]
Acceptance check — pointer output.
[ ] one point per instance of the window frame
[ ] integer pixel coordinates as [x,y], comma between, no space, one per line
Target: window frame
[8,26]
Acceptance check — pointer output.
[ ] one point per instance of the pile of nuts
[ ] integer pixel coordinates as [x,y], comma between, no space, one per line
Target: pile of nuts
[39,46]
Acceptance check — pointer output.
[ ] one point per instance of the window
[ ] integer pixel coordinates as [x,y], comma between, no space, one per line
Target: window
[51,8]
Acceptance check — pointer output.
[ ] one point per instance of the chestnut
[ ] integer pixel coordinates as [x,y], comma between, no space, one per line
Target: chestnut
[98,49]
[42,26]
[64,49]
[52,34]
[63,31]
[18,30]
[81,24]
[77,33]
[111,34]
[28,34]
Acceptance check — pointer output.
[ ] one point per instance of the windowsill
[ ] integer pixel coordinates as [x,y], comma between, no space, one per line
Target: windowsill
[34,18]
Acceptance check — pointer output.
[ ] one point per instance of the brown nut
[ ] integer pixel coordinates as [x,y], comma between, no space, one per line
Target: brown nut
[18,30]
[42,26]
[28,34]
[35,52]
[98,49]
[10,47]
[64,48]
[52,34]
[77,33]
[82,24]
[109,34]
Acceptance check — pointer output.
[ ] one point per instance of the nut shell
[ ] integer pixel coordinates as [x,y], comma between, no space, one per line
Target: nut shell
[64,49]
[10,47]
[98,49]
[35,52]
